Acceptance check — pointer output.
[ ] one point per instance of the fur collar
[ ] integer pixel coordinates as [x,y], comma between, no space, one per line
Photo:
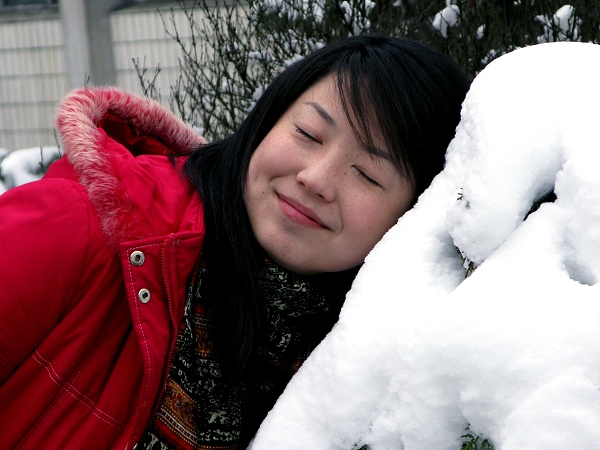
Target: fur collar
[78,119]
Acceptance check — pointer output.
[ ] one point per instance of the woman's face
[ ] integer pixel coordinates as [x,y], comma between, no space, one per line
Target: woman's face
[317,199]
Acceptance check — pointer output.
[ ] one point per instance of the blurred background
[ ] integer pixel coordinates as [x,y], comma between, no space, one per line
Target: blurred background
[48,47]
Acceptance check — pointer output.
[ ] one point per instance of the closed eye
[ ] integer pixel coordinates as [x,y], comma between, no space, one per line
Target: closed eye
[307,135]
[368,179]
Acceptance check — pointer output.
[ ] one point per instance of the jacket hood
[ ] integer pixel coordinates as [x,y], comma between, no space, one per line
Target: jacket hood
[143,126]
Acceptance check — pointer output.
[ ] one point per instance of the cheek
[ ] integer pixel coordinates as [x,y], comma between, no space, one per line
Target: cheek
[364,230]
[270,159]
[251,185]
[259,172]
[254,168]
[372,218]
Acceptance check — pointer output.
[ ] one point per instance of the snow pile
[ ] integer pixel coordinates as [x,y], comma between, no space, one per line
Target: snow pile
[447,17]
[513,351]
[25,165]
[560,26]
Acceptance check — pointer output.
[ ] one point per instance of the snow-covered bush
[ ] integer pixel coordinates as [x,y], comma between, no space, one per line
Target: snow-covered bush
[25,165]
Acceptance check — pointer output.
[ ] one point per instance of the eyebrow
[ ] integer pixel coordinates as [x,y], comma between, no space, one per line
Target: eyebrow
[324,114]
[370,149]
[378,152]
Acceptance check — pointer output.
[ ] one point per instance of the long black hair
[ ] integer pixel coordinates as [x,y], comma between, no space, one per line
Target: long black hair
[409,93]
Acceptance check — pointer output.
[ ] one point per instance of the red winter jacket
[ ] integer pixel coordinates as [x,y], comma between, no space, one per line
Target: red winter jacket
[94,260]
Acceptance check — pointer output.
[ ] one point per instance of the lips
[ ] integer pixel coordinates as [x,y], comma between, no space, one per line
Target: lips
[299,213]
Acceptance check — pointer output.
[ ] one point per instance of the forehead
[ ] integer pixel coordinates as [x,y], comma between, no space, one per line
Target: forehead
[324,91]
[333,100]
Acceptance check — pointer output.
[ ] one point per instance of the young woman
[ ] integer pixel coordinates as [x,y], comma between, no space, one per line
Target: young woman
[155,297]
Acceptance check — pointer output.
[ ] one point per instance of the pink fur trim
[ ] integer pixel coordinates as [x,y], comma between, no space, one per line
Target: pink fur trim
[77,122]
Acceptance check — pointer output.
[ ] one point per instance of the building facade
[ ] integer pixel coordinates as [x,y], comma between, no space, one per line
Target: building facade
[48,47]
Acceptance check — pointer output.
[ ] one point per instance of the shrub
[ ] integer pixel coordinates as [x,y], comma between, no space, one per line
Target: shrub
[238,47]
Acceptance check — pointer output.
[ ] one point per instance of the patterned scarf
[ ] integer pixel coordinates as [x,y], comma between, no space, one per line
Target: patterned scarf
[199,409]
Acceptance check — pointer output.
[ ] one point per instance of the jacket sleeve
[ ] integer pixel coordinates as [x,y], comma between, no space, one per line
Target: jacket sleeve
[44,234]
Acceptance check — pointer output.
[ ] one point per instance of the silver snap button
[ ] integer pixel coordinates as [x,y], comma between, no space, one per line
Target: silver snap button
[144,295]
[137,258]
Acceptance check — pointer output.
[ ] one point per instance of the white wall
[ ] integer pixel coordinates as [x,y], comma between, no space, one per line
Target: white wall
[140,34]
[32,79]
[35,75]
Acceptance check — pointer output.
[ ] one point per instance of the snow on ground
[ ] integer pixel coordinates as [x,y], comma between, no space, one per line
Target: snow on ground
[513,351]
[25,165]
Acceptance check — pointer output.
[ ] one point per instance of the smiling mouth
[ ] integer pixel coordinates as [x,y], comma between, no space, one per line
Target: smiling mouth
[299,213]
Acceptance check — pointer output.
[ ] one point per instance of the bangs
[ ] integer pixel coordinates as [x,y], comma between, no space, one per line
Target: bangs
[369,110]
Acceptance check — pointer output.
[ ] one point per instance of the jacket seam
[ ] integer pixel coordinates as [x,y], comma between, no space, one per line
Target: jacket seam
[173,341]
[51,409]
[144,403]
[68,387]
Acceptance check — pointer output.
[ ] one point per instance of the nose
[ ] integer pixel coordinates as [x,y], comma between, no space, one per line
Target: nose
[321,173]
